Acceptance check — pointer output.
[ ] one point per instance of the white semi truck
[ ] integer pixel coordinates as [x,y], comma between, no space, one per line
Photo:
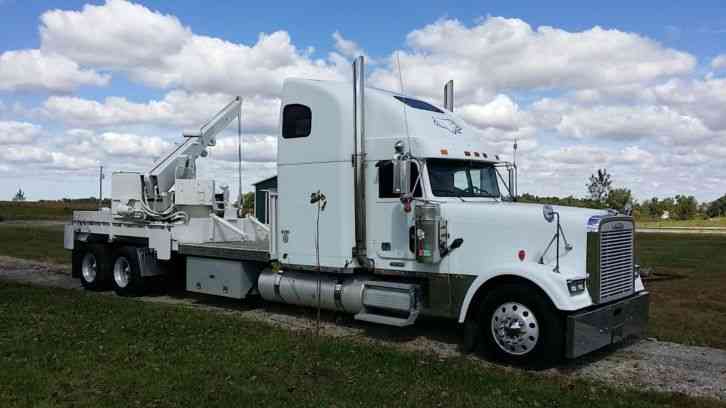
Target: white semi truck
[387,208]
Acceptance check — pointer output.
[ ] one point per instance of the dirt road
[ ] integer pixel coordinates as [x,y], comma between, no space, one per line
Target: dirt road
[647,364]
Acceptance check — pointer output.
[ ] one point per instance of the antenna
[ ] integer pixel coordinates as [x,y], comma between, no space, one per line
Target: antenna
[405,114]
[514,163]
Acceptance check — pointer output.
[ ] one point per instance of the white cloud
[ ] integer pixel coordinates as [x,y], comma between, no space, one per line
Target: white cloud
[176,110]
[115,34]
[349,49]
[704,99]
[614,99]
[255,148]
[719,62]
[35,69]
[500,54]
[42,157]
[159,51]
[632,122]
[12,132]
[25,154]
[207,64]
[62,161]
[502,112]
[125,144]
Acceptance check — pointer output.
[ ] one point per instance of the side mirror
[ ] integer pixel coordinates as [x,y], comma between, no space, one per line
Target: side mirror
[548,213]
[628,209]
[401,176]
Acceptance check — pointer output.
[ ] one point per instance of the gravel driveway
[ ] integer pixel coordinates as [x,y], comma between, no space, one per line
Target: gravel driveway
[647,364]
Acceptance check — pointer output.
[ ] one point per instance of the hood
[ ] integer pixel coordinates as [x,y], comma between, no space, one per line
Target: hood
[494,232]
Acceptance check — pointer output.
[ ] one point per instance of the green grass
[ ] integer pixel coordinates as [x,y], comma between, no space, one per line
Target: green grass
[43,210]
[689,308]
[72,348]
[718,222]
[37,242]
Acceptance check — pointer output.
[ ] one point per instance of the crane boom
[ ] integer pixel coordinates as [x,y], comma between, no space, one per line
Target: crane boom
[181,162]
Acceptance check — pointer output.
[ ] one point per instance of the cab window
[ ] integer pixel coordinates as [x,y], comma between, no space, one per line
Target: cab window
[385,180]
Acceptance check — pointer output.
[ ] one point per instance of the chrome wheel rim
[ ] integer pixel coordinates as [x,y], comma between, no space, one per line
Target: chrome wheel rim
[515,328]
[121,272]
[89,268]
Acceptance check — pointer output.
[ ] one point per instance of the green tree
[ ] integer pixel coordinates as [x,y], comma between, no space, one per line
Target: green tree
[599,185]
[19,196]
[618,198]
[248,200]
[667,204]
[686,207]
[717,208]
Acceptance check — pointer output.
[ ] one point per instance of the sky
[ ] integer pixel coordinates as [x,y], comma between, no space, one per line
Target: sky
[638,88]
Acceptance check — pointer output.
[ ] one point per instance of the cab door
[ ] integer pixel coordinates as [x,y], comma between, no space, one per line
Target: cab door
[389,225]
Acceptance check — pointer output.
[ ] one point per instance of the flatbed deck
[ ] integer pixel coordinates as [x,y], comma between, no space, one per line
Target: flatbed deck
[257,251]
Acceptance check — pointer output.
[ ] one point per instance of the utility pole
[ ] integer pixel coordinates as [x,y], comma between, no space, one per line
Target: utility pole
[100,188]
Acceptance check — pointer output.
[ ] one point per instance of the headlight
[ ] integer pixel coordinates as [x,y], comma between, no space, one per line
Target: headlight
[576,286]
[636,271]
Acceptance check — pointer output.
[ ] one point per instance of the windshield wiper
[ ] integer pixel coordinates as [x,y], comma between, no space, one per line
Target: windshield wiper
[482,192]
[457,194]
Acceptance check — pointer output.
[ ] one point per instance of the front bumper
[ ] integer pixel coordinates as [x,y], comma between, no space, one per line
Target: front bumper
[596,328]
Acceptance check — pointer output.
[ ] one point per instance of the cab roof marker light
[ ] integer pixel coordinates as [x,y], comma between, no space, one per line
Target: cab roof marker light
[476,154]
[444,152]
[467,154]
[484,155]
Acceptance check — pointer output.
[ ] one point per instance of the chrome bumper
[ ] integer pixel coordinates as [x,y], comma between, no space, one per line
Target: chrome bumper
[596,328]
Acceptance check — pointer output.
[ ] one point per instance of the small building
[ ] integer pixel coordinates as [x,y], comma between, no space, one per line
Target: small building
[263,188]
[666,215]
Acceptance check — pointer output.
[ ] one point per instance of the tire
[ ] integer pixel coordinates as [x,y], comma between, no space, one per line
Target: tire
[126,274]
[519,326]
[91,264]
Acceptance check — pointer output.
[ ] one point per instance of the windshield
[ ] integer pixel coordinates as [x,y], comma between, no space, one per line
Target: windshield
[462,178]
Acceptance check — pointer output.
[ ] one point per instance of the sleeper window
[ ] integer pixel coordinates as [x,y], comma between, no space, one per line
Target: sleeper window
[296,121]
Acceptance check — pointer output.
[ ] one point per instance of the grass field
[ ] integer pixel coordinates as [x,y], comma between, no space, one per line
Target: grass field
[688,305]
[718,222]
[31,241]
[72,348]
[47,210]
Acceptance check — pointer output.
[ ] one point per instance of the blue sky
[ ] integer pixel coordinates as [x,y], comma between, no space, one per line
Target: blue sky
[697,27]
[648,101]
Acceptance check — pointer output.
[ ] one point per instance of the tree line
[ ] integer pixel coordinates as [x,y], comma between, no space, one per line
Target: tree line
[602,194]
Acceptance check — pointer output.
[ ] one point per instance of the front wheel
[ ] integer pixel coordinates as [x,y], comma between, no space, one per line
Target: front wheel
[520,327]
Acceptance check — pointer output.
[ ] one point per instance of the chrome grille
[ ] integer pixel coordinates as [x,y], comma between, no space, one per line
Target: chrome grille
[616,261]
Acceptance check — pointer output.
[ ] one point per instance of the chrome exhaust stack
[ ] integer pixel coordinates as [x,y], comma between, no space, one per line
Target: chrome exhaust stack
[449,96]
[359,158]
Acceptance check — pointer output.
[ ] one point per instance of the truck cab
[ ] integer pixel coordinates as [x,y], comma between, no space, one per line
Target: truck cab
[440,210]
